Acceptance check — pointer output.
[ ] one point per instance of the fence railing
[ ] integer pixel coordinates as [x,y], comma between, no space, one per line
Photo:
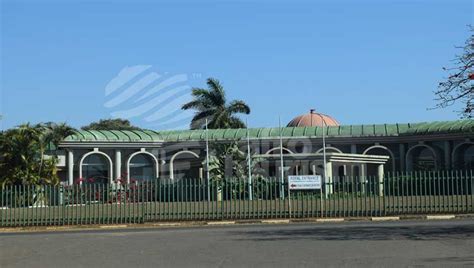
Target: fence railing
[195,199]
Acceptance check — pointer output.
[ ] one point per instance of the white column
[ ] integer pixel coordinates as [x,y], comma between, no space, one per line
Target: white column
[328,178]
[70,167]
[363,177]
[171,169]
[353,149]
[305,167]
[380,172]
[118,164]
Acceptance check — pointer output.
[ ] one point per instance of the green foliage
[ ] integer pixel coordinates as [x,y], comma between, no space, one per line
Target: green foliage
[22,153]
[111,124]
[54,133]
[211,104]
[229,155]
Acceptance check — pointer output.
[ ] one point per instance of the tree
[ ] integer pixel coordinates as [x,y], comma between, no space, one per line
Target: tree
[228,158]
[229,154]
[211,104]
[22,153]
[111,124]
[22,157]
[459,87]
[54,133]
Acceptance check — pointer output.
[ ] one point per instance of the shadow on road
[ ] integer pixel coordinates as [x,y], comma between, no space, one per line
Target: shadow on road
[361,233]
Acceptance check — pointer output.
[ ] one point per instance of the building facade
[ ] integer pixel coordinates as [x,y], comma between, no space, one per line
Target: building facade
[351,150]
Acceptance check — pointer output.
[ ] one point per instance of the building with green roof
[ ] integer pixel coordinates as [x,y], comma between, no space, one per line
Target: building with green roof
[351,150]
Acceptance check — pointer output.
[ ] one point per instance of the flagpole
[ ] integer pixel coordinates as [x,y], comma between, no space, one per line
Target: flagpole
[249,162]
[207,164]
[282,189]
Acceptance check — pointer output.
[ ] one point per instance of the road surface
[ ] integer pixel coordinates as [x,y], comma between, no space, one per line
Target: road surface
[353,244]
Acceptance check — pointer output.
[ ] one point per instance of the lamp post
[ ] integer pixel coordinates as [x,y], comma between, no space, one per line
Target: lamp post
[282,164]
[324,141]
[207,165]
[249,163]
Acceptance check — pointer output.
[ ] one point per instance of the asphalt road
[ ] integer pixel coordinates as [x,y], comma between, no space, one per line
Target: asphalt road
[356,244]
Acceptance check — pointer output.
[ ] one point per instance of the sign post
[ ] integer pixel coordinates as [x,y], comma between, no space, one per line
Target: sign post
[302,182]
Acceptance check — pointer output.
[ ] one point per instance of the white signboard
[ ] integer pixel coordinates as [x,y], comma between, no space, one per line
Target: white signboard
[304,182]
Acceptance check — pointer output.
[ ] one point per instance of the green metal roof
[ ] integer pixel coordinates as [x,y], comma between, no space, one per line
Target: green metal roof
[380,130]
[115,135]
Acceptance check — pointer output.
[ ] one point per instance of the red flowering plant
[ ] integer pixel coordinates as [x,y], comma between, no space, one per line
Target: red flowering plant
[73,194]
[79,181]
[122,179]
[119,193]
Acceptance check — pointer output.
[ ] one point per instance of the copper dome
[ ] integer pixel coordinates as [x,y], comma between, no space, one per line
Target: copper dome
[312,119]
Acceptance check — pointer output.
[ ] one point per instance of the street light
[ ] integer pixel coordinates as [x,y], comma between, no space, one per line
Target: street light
[324,140]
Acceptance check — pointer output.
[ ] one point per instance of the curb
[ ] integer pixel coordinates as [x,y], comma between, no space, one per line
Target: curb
[113,226]
[167,224]
[440,217]
[275,221]
[464,216]
[220,222]
[330,220]
[226,223]
[413,217]
[385,218]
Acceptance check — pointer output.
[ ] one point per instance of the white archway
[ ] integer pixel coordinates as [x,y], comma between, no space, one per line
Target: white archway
[142,151]
[456,148]
[329,148]
[408,156]
[96,151]
[392,155]
[176,155]
[278,148]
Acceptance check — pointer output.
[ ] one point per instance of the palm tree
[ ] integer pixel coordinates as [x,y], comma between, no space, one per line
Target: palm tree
[54,133]
[22,153]
[211,104]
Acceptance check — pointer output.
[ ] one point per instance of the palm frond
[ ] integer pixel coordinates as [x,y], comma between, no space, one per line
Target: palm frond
[238,106]
[194,104]
[199,92]
[199,120]
[236,122]
[217,91]
[211,103]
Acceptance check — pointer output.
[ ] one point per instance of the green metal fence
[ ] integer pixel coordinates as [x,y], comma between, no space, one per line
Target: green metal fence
[195,199]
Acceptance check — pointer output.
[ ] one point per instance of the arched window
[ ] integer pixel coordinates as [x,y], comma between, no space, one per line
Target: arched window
[463,156]
[384,151]
[329,149]
[277,150]
[421,158]
[187,165]
[142,168]
[96,167]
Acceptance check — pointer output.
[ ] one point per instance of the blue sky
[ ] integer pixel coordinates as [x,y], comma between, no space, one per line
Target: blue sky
[365,62]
